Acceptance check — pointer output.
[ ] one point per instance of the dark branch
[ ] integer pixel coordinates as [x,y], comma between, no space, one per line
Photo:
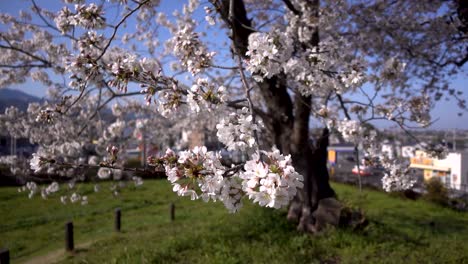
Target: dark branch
[291,7]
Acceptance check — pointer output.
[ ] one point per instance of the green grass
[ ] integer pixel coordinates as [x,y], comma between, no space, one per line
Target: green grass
[400,231]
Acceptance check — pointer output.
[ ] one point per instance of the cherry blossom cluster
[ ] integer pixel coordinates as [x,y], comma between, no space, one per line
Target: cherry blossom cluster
[74,198]
[124,67]
[415,109]
[83,69]
[191,52]
[236,131]
[52,188]
[31,187]
[323,65]
[353,76]
[18,35]
[370,143]
[169,101]
[18,166]
[205,94]
[210,18]
[438,151]
[306,74]
[46,115]
[138,181]
[10,159]
[232,194]
[393,69]
[44,159]
[115,130]
[201,168]
[86,16]
[273,182]
[109,173]
[397,176]
[324,68]
[267,53]
[37,163]
[149,92]
[419,108]
[118,64]
[351,130]
[198,173]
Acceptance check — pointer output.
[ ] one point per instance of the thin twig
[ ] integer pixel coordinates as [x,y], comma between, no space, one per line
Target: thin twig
[116,27]
[224,67]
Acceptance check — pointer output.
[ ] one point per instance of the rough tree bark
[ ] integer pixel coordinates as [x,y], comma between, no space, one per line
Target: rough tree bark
[288,123]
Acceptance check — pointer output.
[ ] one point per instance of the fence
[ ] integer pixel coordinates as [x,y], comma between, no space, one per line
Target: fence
[69,233]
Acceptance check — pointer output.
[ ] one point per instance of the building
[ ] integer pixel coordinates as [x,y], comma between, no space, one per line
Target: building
[452,171]
[16,146]
[408,151]
[392,150]
[202,137]
[339,153]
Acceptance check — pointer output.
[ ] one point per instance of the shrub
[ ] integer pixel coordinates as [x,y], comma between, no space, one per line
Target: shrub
[436,191]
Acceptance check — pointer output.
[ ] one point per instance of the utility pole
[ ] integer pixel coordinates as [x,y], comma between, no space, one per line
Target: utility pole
[454,144]
[12,145]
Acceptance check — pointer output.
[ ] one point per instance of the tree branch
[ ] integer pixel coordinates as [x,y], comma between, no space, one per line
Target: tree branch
[291,7]
[116,27]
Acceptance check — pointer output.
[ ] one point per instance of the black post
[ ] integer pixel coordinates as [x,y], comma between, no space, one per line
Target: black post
[4,256]
[172,211]
[118,215]
[69,245]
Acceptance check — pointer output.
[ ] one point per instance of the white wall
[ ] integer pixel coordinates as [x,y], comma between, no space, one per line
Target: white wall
[464,171]
[453,161]
[458,163]
[387,148]
[407,151]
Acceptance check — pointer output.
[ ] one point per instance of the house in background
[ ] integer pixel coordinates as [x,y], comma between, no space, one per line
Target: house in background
[339,153]
[408,151]
[452,170]
[16,146]
[203,137]
[391,149]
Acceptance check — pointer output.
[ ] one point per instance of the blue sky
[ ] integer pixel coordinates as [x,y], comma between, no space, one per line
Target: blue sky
[445,112]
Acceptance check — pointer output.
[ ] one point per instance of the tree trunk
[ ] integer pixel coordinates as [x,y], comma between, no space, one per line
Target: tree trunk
[288,123]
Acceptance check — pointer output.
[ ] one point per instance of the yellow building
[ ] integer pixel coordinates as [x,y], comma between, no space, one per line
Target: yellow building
[452,171]
[339,152]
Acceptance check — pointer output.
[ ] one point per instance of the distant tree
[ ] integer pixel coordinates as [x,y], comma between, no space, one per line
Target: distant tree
[256,71]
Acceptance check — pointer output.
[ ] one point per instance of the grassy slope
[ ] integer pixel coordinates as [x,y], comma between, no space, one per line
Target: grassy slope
[400,231]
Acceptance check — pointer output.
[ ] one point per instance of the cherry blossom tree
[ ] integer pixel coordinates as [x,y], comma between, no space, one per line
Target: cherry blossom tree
[256,72]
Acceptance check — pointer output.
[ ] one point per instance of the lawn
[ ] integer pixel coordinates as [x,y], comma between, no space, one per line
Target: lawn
[400,231]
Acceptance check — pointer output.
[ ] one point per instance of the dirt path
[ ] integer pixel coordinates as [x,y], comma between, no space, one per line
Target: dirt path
[56,255]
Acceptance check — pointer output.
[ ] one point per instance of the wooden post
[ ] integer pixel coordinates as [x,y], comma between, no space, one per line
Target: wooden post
[69,245]
[4,256]
[118,215]
[172,211]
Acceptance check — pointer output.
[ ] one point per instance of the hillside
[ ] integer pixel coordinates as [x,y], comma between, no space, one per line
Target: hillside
[400,231]
[10,97]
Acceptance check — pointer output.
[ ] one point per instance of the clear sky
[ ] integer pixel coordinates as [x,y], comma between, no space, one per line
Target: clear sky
[445,112]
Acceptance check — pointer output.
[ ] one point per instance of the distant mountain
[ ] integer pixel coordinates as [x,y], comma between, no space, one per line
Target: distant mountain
[21,100]
[10,97]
